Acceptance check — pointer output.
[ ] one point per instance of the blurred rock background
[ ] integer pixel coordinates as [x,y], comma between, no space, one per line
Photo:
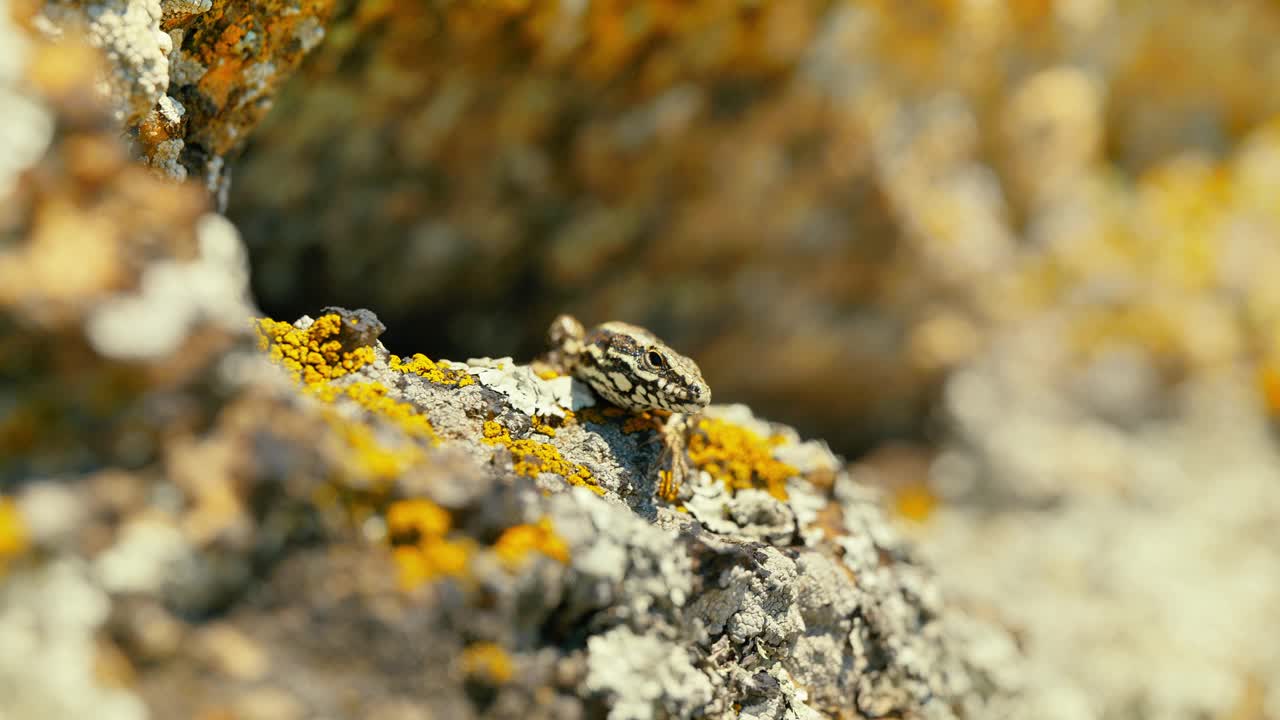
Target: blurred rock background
[827,203]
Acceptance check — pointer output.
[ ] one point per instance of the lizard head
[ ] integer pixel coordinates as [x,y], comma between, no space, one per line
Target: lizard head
[632,368]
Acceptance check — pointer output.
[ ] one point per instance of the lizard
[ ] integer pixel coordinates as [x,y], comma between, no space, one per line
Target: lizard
[633,369]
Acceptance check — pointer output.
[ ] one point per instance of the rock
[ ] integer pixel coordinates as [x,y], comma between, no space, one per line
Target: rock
[208,513]
[280,518]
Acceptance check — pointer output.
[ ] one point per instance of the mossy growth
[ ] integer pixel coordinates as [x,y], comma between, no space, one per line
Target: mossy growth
[739,457]
[314,355]
[532,458]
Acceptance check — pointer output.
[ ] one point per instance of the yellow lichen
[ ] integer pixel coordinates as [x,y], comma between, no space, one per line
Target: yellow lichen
[515,543]
[313,355]
[542,426]
[437,372]
[548,374]
[373,455]
[533,458]
[739,457]
[487,661]
[915,501]
[373,397]
[423,551]
[417,518]
[13,534]
[438,557]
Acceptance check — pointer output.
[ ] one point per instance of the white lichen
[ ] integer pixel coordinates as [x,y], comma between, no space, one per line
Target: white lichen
[27,128]
[528,392]
[137,50]
[50,616]
[175,297]
[644,677]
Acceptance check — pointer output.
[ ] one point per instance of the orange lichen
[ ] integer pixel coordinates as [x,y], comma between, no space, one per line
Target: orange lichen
[437,372]
[515,543]
[649,420]
[13,534]
[633,422]
[487,661]
[313,355]
[1269,382]
[244,45]
[533,458]
[600,415]
[668,489]
[739,457]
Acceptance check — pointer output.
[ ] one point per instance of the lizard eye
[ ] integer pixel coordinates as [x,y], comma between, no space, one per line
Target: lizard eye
[655,359]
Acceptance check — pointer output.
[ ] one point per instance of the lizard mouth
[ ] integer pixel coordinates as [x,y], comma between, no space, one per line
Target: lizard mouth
[691,403]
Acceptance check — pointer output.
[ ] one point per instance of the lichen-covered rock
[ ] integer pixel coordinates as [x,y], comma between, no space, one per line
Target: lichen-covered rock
[824,613]
[189,80]
[129,35]
[203,514]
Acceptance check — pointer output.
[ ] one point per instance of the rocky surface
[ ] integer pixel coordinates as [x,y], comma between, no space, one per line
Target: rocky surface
[190,79]
[206,516]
